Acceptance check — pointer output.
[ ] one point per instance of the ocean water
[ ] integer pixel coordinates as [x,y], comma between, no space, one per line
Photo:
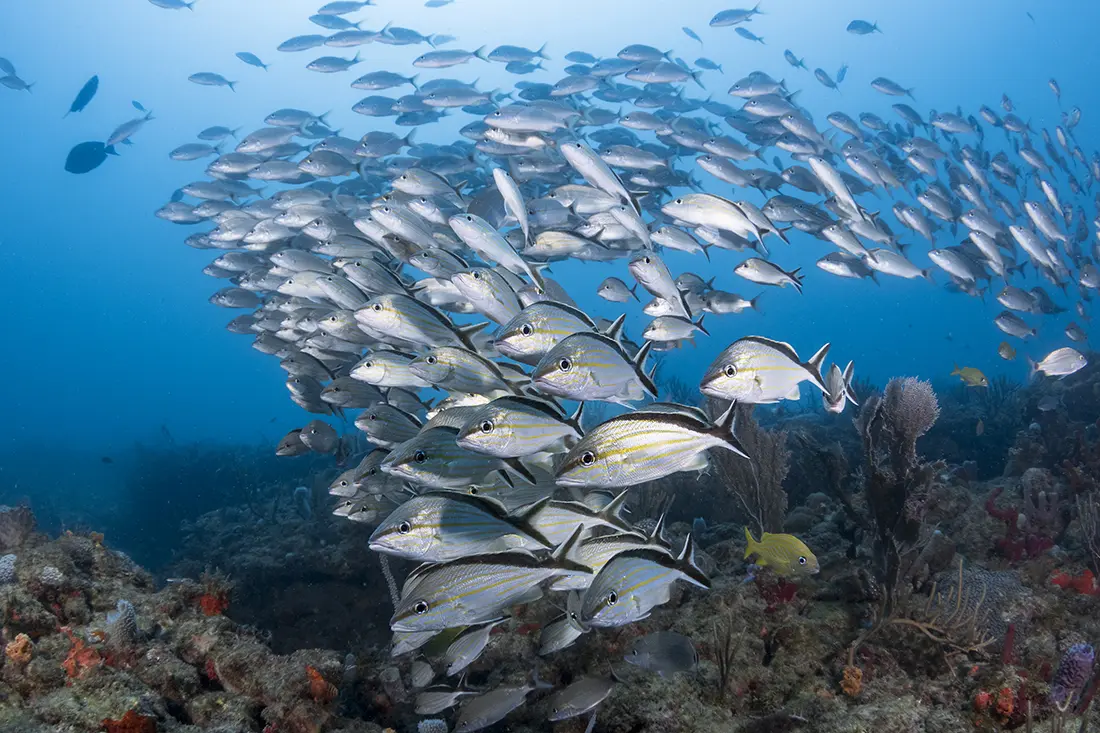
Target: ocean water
[128,403]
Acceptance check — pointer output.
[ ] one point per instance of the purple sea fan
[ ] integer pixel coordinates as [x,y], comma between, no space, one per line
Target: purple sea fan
[1073,672]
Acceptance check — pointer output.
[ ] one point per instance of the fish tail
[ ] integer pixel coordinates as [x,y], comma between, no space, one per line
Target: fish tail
[814,365]
[724,431]
[955,370]
[750,544]
[848,391]
[689,567]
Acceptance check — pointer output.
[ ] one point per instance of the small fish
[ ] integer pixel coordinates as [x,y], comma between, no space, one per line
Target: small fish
[84,96]
[692,35]
[468,646]
[783,553]
[762,272]
[1006,351]
[421,674]
[979,429]
[557,635]
[794,60]
[1049,403]
[748,35]
[251,59]
[862,28]
[616,291]
[580,697]
[663,652]
[210,79]
[1075,333]
[292,445]
[106,459]
[88,156]
[485,710]
[839,386]
[1058,363]
[970,376]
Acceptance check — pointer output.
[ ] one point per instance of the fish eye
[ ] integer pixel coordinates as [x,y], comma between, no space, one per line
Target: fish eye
[487,426]
[473,491]
[730,370]
[343,483]
[476,275]
[588,458]
[612,598]
[368,364]
[565,365]
[377,307]
[801,561]
[372,472]
[404,528]
[647,260]
[469,218]
[420,456]
[525,329]
[430,360]
[679,201]
[420,608]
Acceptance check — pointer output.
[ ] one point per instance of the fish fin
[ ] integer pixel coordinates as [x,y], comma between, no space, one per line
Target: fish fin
[724,430]
[815,363]
[699,325]
[575,421]
[687,565]
[520,470]
[639,364]
[573,611]
[753,303]
[795,394]
[656,536]
[796,279]
[612,513]
[615,330]
[561,557]
[751,544]
[634,293]
[466,332]
[848,391]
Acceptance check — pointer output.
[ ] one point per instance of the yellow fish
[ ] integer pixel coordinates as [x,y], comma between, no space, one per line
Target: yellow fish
[1006,351]
[971,376]
[783,553]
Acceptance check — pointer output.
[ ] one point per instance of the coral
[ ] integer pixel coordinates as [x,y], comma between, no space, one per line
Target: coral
[1073,672]
[1085,583]
[1088,513]
[131,722]
[123,623]
[1035,526]
[432,725]
[776,592]
[51,576]
[852,681]
[81,658]
[215,595]
[16,526]
[20,650]
[757,484]
[7,569]
[320,689]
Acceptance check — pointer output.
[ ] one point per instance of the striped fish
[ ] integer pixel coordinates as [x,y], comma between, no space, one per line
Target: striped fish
[489,293]
[432,458]
[594,366]
[440,526]
[405,317]
[469,645]
[641,446]
[758,371]
[538,328]
[513,427]
[475,589]
[459,370]
[633,583]
[557,635]
[387,368]
[556,520]
[437,698]
[386,425]
[595,552]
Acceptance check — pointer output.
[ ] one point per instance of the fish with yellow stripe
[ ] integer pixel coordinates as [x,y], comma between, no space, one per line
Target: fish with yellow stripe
[513,427]
[758,370]
[647,445]
[440,526]
[475,589]
[538,328]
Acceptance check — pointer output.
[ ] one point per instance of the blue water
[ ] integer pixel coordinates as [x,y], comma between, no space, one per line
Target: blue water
[107,332]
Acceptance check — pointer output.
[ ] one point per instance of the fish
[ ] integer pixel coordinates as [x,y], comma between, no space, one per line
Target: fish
[518,426]
[468,646]
[211,79]
[86,157]
[1059,363]
[761,271]
[862,28]
[84,96]
[663,652]
[616,291]
[979,429]
[838,389]
[633,583]
[645,445]
[251,59]
[758,370]
[493,706]
[594,366]
[1005,351]
[970,376]
[475,589]
[441,526]
[579,697]
[785,554]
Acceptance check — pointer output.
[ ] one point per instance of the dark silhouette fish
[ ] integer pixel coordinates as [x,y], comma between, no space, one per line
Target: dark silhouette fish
[88,156]
[84,96]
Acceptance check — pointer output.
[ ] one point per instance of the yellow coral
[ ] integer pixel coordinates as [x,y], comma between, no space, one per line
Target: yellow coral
[852,682]
[20,650]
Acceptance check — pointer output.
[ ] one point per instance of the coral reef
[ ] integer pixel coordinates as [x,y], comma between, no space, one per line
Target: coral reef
[756,484]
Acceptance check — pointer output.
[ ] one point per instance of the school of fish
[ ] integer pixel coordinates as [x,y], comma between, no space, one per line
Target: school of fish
[409,287]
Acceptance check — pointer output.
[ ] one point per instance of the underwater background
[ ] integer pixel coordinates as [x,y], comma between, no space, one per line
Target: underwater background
[138,423]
